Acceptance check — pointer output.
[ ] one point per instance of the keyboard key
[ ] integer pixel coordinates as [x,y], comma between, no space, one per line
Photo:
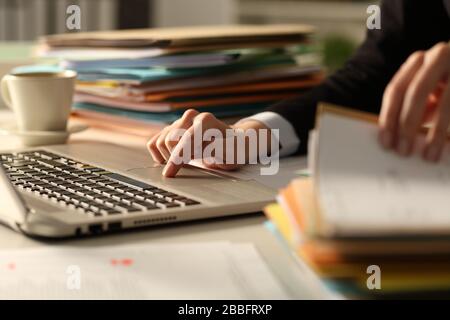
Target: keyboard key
[170,196]
[126,200]
[39,183]
[80,173]
[167,205]
[190,202]
[94,169]
[90,192]
[144,205]
[103,182]
[129,181]
[116,196]
[103,189]
[50,163]
[45,155]
[6,156]
[111,203]
[93,213]
[94,208]
[110,211]
[158,191]
[18,175]
[186,202]
[128,208]
[20,164]
[161,200]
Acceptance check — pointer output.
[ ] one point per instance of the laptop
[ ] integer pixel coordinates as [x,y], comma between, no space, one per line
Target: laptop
[82,189]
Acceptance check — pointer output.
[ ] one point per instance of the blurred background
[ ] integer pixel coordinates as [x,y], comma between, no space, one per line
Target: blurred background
[341,23]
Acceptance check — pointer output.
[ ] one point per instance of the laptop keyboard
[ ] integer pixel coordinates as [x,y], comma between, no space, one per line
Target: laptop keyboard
[87,189]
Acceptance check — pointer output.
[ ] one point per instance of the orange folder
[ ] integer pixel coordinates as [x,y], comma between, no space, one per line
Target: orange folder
[236,89]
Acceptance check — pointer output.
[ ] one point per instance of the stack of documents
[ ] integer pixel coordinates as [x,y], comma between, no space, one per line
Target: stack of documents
[136,77]
[368,221]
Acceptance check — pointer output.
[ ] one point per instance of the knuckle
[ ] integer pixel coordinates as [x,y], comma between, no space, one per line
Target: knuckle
[184,122]
[160,143]
[444,54]
[169,141]
[151,143]
[442,51]
[392,88]
[153,149]
[406,124]
[392,92]
[190,113]
[442,47]
[205,116]
[417,55]
[417,90]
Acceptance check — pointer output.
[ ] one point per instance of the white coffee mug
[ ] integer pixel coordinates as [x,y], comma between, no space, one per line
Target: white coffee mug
[40,101]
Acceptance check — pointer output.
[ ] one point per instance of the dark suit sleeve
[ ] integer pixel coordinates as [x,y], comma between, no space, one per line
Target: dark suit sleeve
[360,83]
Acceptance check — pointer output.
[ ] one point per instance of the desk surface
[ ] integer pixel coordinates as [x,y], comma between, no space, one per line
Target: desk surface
[295,277]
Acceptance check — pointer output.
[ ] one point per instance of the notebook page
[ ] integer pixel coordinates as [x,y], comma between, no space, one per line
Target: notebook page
[364,190]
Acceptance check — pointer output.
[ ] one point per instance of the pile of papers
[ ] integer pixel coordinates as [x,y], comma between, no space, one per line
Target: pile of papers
[367,221]
[132,78]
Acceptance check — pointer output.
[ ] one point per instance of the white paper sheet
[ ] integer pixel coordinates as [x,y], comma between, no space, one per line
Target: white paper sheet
[366,190]
[218,270]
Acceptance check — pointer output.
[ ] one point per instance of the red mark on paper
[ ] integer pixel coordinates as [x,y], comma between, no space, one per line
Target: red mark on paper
[125,262]
[11,266]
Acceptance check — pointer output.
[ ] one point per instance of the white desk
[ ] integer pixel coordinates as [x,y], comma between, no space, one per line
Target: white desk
[297,281]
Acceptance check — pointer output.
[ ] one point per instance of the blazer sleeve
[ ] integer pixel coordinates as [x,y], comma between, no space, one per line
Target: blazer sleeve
[360,83]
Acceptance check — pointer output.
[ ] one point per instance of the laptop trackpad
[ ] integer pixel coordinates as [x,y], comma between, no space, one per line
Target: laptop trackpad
[185,177]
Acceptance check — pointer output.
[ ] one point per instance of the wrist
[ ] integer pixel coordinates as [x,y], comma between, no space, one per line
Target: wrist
[256,126]
[250,124]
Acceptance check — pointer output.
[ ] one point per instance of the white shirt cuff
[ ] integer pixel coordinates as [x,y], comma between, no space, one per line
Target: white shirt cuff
[289,140]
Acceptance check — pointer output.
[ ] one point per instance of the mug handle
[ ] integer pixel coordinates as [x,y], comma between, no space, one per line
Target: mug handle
[5,91]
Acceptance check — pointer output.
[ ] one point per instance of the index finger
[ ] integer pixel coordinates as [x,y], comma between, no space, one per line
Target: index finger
[178,156]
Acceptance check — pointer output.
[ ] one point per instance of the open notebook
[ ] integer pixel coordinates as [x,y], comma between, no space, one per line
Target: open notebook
[366,207]
[365,191]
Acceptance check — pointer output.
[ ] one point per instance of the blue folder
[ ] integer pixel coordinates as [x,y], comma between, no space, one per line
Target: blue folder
[167,117]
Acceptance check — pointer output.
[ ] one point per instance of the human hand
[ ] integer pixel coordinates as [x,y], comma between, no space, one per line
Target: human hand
[418,92]
[172,143]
